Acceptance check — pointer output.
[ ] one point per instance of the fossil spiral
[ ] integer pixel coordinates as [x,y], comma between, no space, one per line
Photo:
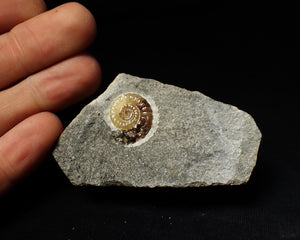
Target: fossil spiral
[132,115]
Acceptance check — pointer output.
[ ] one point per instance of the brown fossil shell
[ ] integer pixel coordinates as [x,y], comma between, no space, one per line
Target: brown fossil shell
[132,115]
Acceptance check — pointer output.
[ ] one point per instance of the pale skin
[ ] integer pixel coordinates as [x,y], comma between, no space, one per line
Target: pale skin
[43,69]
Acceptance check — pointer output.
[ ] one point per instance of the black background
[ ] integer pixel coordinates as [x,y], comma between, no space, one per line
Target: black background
[244,54]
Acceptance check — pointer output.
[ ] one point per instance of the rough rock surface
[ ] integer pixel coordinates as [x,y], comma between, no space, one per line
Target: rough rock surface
[194,141]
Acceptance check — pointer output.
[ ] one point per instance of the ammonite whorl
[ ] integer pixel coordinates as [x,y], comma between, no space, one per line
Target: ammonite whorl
[132,115]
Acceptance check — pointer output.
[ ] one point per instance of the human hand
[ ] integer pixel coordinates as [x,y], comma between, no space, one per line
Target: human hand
[42,70]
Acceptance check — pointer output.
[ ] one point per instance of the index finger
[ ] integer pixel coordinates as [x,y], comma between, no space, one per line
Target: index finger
[44,40]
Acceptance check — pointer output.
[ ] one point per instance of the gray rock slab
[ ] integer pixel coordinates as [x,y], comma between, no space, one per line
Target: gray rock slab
[194,141]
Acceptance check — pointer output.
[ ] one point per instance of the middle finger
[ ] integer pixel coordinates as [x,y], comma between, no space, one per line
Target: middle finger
[52,89]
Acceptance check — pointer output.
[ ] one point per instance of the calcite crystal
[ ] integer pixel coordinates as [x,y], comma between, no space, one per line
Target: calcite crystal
[143,133]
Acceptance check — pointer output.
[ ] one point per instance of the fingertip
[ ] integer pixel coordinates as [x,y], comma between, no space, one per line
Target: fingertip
[78,20]
[91,72]
[50,124]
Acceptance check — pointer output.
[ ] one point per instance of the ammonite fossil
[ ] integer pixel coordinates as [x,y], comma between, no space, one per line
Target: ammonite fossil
[131,114]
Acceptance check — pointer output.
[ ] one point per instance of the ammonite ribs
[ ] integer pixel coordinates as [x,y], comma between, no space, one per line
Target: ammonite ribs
[132,115]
